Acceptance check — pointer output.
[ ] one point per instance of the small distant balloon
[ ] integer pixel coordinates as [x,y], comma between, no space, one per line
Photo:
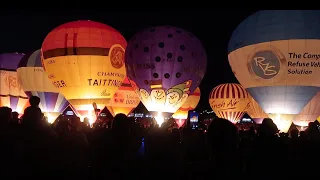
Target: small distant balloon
[229,101]
[124,100]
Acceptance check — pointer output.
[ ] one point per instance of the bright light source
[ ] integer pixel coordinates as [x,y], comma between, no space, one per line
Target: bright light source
[159,119]
[282,121]
[180,122]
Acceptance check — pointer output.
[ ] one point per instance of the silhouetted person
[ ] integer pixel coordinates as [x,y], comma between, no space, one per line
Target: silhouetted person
[15,118]
[7,155]
[267,128]
[294,134]
[37,143]
[269,151]
[33,112]
[121,144]
[223,142]
[34,101]
[73,149]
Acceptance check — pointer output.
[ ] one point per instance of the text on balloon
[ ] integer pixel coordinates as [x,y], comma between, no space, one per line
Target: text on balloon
[227,104]
[104,82]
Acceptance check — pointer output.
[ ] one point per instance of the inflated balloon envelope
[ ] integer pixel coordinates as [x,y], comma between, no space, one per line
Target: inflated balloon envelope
[35,82]
[229,101]
[190,104]
[85,60]
[11,92]
[167,64]
[124,100]
[255,111]
[309,113]
[275,55]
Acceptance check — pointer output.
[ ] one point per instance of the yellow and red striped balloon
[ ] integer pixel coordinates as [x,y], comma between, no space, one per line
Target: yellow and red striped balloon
[229,101]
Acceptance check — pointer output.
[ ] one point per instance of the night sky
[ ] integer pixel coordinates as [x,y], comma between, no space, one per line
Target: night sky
[23,30]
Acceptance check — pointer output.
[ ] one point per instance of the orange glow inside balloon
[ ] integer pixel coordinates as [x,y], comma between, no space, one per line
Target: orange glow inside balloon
[190,104]
[124,100]
[229,101]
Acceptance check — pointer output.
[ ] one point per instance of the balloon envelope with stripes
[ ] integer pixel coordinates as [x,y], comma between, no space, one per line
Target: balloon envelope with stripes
[85,61]
[190,104]
[11,92]
[275,55]
[229,101]
[124,100]
[35,82]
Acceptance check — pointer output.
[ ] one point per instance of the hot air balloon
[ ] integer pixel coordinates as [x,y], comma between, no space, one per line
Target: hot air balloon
[35,82]
[124,100]
[229,101]
[11,93]
[274,54]
[85,61]
[167,63]
[190,104]
[309,113]
[255,111]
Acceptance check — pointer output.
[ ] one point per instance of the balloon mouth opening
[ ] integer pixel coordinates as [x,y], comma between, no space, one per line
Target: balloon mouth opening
[159,119]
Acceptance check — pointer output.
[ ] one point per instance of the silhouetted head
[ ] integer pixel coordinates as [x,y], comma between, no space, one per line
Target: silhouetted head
[312,126]
[268,127]
[75,122]
[120,121]
[32,116]
[34,101]
[15,115]
[312,129]
[223,135]
[5,114]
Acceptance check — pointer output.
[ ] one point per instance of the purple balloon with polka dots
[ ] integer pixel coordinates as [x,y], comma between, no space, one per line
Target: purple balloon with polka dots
[165,54]
[165,57]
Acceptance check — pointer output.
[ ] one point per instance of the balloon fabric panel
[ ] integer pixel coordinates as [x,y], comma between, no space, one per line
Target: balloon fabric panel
[85,60]
[11,91]
[166,63]
[274,54]
[229,101]
[35,82]
[190,104]
[125,99]
[309,113]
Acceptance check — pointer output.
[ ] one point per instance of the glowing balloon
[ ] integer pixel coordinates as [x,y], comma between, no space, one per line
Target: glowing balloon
[85,60]
[35,82]
[190,104]
[309,113]
[274,54]
[11,93]
[229,101]
[255,111]
[124,100]
[167,63]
